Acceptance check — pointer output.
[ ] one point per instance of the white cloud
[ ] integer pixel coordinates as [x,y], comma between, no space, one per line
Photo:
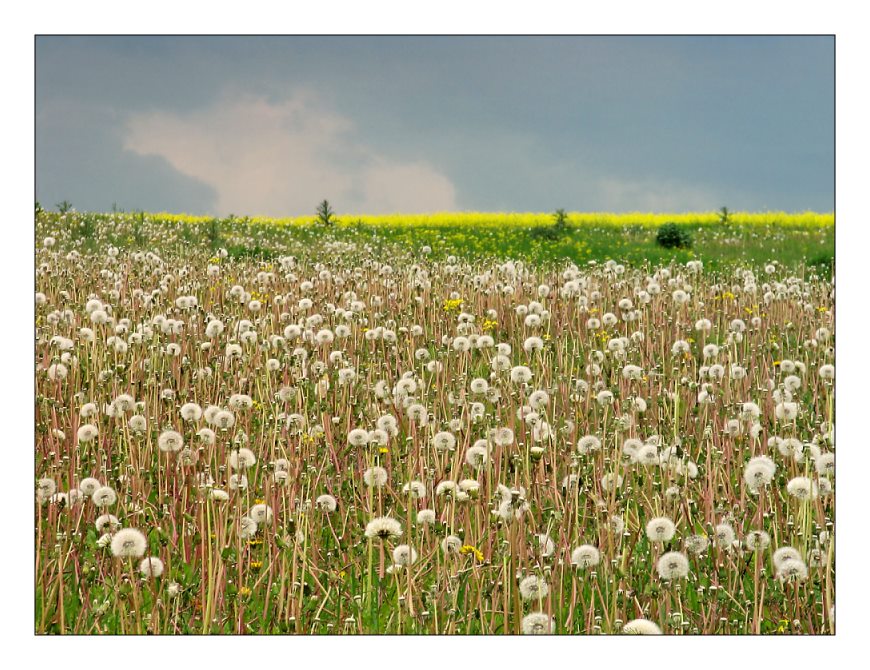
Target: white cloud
[282,158]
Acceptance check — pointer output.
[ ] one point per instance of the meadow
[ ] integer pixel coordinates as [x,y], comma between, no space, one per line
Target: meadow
[790,239]
[434,425]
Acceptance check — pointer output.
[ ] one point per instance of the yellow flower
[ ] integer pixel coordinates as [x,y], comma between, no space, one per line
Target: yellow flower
[452,305]
[471,549]
[489,324]
[244,591]
[383,450]
[256,565]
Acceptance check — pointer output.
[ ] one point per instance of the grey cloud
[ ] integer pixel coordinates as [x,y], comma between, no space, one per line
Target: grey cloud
[80,158]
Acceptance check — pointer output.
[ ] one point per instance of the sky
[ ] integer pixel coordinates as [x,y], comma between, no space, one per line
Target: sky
[273,125]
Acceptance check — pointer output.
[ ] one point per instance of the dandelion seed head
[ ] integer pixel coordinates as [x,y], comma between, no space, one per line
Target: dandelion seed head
[384,528]
[641,627]
[129,543]
[672,565]
[533,587]
[538,623]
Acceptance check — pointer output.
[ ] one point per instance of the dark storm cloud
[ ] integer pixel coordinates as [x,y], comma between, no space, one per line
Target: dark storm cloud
[380,124]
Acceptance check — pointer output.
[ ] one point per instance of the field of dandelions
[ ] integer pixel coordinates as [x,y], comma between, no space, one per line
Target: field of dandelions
[338,440]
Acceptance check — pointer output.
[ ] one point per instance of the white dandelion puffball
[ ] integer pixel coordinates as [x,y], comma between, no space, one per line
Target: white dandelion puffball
[784,554]
[802,488]
[825,463]
[446,487]
[170,441]
[375,477]
[724,535]
[104,496]
[469,486]
[261,513]
[538,400]
[247,528]
[107,523]
[538,623]
[792,570]
[383,527]
[415,489]
[404,555]
[326,503]
[138,423]
[129,543]
[242,459]
[238,482]
[641,627]
[521,374]
[151,567]
[87,432]
[479,385]
[418,414]
[45,488]
[426,517]
[191,412]
[588,443]
[358,437]
[757,540]
[630,446]
[672,565]
[697,544]
[585,556]
[786,411]
[503,437]
[477,456]
[444,441]
[660,529]
[759,471]
[647,455]
[533,588]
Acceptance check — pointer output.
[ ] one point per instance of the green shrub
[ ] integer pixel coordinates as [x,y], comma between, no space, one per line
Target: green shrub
[672,236]
[555,231]
[325,214]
